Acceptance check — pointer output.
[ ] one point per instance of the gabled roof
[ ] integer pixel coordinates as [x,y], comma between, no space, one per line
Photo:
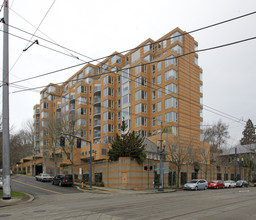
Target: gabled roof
[150,147]
[241,149]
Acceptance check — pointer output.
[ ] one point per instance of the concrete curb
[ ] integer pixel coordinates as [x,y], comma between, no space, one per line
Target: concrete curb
[17,200]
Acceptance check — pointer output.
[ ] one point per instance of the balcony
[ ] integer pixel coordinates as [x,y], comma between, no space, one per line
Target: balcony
[97,123]
[96,134]
[97,89]
[97,100]
[97,111]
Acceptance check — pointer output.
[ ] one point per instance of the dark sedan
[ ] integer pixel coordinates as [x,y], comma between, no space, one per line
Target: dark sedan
[242,183]
[63,180]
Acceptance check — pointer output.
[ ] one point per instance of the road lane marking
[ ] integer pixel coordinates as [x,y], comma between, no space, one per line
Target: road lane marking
[36,186]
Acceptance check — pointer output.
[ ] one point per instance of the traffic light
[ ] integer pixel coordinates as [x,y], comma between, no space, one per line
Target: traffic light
[62,141]
[78,143]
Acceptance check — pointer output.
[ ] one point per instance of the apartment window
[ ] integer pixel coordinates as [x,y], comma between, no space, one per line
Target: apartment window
[118,79]
[201,88]
[140,121]
[159,106]
[90,133]
[171,60]
[158,66]
[170,88]
[81,100]
[107,140]
[126,87]
[90,111]
[135,56]
[108,80]
[201,112]
[159,92]
[126,74]
[142,133]
[126,99]
[108,116]
[118,116]
[81,122]
[108,103]
[89,70]
[115,59]
[140,94]
[196,60]
[153,81]
[127,60]
[159,47]
[44,115]
[171,103]
[171,116]
[153,95]
[145,68]
[81,111]
[159,79]
[118,103]
[108,92]
[90,122]
[201,76]
[119,91]
[140,81]
[45,105]
[177,36]
[51,89]
[119,127]
[44,123]
[90,89]
[126,112]
[159,119]
[170,74]
[201,100]
[108,128]
[164,43]
[137,69]
[141,107]
[177,49]
[153,68]
[153,108]
[153,121]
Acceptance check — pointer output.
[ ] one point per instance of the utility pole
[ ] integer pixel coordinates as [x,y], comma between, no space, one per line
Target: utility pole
[161,151]
[235,163]
[6,140]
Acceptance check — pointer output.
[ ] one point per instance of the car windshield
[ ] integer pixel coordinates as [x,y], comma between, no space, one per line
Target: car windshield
[193,181]
[214,181]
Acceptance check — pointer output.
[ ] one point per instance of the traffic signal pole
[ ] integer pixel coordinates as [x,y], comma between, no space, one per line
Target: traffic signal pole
[5,119]
[82,139]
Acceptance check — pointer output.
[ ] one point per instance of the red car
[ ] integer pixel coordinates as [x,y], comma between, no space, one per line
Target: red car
[255,184]
[216,184]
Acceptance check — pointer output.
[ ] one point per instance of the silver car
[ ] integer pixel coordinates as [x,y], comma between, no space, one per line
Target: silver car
[196,184]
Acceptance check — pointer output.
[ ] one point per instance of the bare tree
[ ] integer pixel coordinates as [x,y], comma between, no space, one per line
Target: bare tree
[179,154]
[217,137]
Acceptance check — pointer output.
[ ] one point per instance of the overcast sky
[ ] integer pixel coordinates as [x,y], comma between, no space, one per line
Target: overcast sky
[99,27]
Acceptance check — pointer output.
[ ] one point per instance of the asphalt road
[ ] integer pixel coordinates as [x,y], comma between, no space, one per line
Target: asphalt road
[238,203]
[29,185]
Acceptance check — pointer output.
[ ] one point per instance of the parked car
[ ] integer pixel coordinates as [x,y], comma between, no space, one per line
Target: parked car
[229,184]
[1,182]
[44,177]
[241,183]
[63,179]
[196,184]
[255,184]
[216,184]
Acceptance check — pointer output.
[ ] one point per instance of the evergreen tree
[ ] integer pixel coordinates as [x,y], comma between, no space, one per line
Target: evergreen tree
[249,134]
[127,145]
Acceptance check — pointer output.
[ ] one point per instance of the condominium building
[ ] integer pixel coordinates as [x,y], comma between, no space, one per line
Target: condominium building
[155,83]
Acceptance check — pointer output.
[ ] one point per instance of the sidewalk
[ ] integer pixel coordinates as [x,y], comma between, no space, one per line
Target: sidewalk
[16,200]
[107,190]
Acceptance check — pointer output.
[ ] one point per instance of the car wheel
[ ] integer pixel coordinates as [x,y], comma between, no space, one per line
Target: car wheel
[243,186]
[205,188]
[196,188]
[52,183]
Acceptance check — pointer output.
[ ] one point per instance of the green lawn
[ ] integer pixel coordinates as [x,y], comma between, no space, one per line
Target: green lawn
[14,194]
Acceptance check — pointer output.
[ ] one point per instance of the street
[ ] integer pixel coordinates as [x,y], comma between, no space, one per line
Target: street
[28,184]
[237,203]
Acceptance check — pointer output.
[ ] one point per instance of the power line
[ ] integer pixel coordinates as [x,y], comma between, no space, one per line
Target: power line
[197,51]
[33,34]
